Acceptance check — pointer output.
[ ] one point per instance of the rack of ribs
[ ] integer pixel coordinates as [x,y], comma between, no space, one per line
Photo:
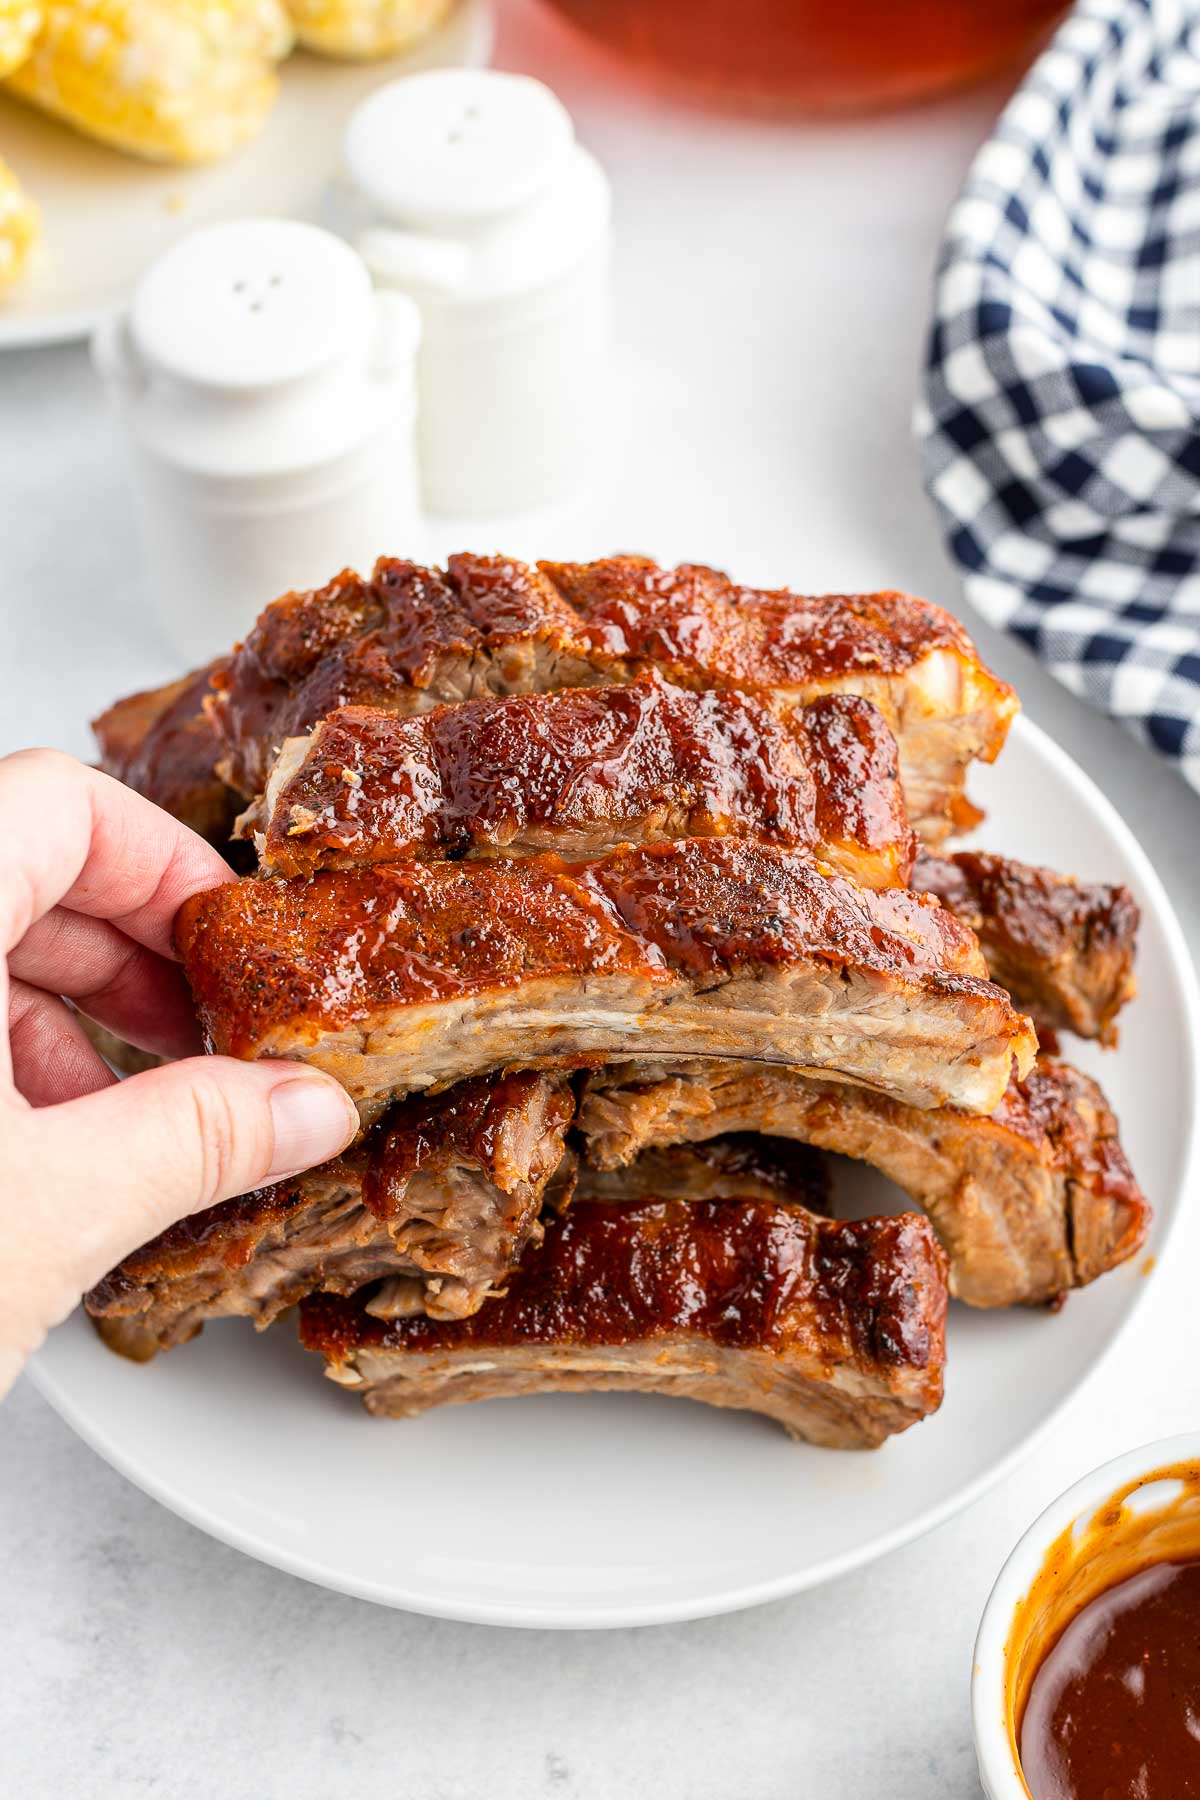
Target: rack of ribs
[1063,949]
[411,638]
[1034,1200]
[834,1329]
[584,770]
[595,885]
[400,978]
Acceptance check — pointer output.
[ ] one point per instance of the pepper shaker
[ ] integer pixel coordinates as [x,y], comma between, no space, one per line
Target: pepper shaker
[474,199]
[269,398]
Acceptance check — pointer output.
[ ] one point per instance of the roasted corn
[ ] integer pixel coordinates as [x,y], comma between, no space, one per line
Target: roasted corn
[173,80]
[364,28]
[20,228]
[19,21]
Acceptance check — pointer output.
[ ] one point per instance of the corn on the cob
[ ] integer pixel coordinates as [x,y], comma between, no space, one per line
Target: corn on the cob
[20,228]
[173,80]
[19,21]
[364,28]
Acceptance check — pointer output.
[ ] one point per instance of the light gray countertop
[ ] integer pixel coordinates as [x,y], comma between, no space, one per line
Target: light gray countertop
[772,293]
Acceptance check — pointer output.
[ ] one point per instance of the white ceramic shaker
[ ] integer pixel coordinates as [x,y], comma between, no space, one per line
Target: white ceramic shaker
[472,196]
[269,397]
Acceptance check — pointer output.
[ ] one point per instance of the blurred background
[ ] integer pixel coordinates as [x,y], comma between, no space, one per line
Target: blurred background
[781,171]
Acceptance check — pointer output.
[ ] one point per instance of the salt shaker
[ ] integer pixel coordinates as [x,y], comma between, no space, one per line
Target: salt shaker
[269,397]
[472,196]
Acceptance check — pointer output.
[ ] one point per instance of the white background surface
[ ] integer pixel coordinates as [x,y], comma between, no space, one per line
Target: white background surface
[772,295]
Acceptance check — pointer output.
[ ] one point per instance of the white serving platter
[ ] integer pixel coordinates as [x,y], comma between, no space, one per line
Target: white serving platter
[106,216]
[613,1510]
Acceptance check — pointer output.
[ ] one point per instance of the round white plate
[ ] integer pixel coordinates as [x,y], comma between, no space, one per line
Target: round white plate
[619,1510]
[105,215]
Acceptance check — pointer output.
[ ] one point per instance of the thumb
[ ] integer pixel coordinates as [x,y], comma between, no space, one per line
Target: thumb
[112,1169]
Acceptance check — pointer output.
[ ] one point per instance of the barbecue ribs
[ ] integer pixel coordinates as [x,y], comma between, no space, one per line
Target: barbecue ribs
[162,744]
[396,979]
[411,638]
[1063,949]
[584,770]
[445,1194]
[620,858]
[440,1200]
[1034,1200]
[835,1330]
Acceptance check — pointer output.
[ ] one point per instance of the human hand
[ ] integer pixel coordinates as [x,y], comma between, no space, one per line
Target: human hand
[91,877]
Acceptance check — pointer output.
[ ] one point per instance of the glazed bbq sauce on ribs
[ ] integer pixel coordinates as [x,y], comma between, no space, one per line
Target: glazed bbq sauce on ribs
[411,638]
[582,770]
[398,978]
[740,1273]
[1063,949]
[258,953]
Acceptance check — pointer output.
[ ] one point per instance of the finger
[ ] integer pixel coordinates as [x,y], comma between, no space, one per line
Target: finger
[112,1170]
[139,995]
[52,1058]
[110,853]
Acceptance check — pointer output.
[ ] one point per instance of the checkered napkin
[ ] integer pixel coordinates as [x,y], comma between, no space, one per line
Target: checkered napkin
[1060,429]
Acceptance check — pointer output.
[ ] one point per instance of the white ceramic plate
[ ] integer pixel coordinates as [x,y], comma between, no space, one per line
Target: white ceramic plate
[105,216]
[618,1510]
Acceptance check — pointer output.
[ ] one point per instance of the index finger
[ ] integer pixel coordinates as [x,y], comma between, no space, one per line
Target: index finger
[76,838]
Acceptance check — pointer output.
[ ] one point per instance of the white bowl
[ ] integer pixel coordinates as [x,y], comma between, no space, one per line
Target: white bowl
[999,1770]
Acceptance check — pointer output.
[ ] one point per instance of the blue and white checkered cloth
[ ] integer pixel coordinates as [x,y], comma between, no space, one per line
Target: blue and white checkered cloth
[1060,428]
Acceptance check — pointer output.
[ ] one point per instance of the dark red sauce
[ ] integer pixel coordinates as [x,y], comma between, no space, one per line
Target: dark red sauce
[1113,1712]
[809,54]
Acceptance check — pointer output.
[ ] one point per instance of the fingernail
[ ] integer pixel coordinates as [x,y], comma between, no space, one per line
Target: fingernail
[313,1120]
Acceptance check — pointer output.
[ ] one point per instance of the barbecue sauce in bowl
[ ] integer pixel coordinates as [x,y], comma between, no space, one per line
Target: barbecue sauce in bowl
[1114,1710]
[1103,1660]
